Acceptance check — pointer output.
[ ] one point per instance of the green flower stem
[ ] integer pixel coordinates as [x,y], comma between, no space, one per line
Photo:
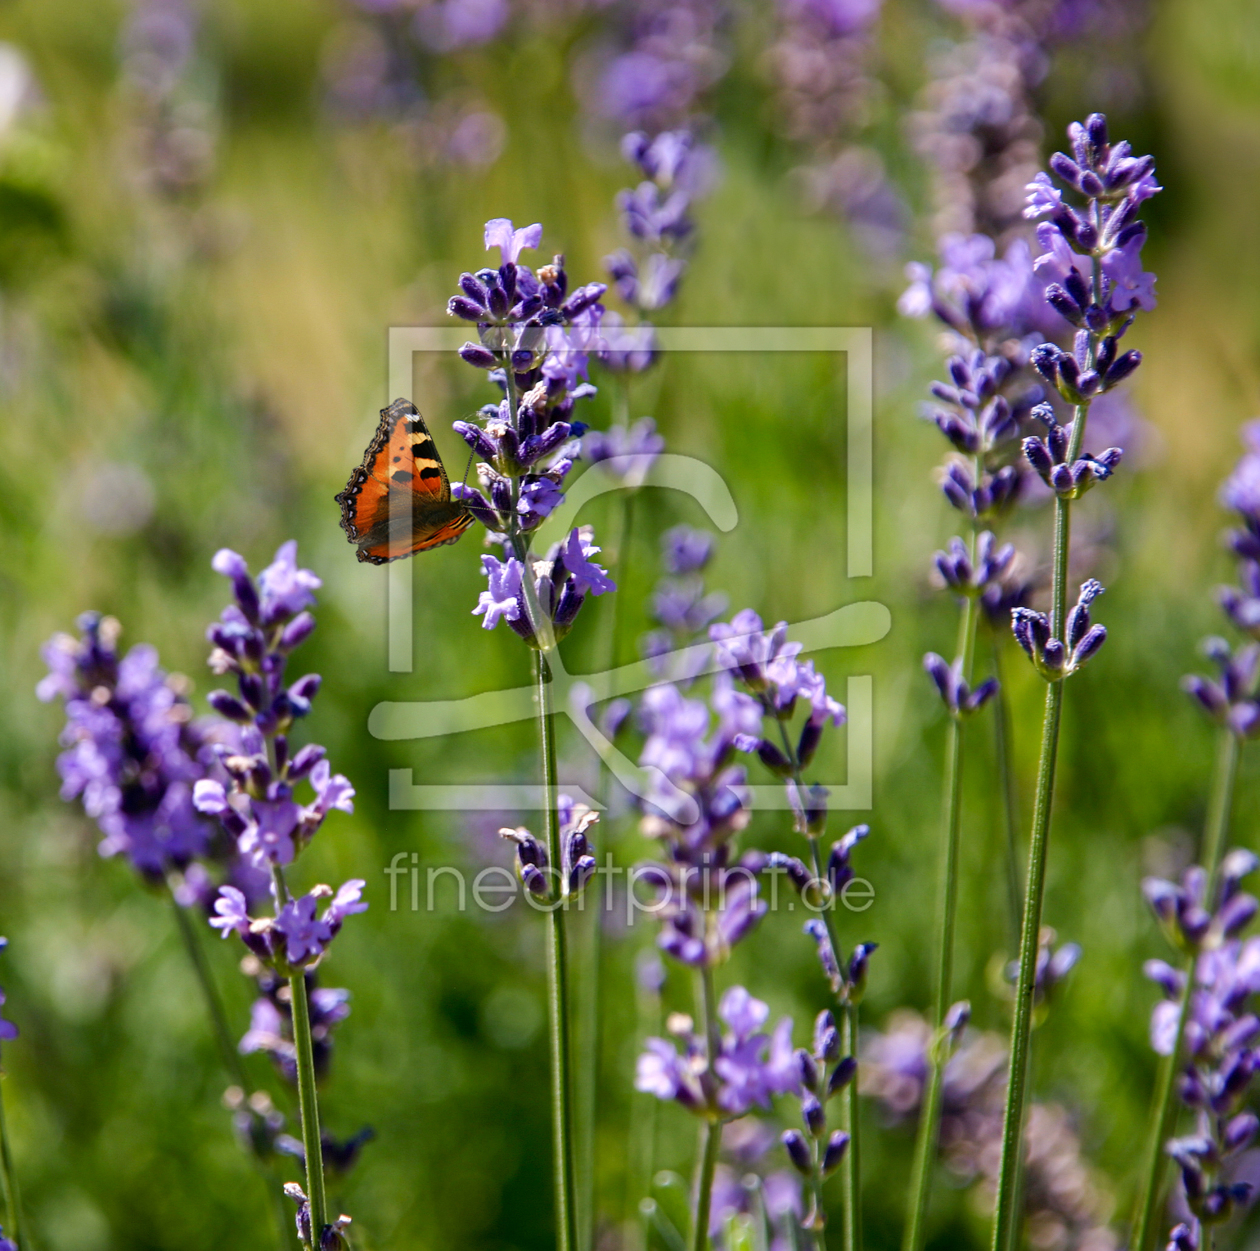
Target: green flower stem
[1006,1212]
[704,1186]
[12,1196]
[851,1176]
[1005,1216]
[230,1057]
[713,1126]
[308,1101]
[1164,1104]
[947,912]
[558,1002]
[1007,1207]
[1004,760]
[589,1052]
[228,1053]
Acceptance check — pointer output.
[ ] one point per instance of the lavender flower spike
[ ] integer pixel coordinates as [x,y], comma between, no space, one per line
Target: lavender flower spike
[1091,239]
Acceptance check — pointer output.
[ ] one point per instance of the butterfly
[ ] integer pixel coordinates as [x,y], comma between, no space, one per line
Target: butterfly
[398,502]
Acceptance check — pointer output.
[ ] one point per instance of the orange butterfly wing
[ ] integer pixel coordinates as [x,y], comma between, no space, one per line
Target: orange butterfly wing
[398,502]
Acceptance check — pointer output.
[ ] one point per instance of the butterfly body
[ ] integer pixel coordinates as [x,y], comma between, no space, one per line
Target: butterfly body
[398,502]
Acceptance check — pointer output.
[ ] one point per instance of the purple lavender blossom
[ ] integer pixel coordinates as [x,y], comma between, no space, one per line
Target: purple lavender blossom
[1058,658]
[252,640]
[976,125]
[1112,184]
[824,1072]
[821,62]
[1067,1201]
[767,664]
[977,294]
[749,1068]
[171,131]
[577,860]
[536,337]
[670,57]
[271,1021]
[295,937]
[625,453]
[686,550]
[133,752]
[1219,1032]
[683,607]
[562,580]
[656,217]
[449,24]
[1231,700]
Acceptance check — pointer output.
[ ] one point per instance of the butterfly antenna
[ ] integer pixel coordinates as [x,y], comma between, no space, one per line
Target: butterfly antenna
[468,467]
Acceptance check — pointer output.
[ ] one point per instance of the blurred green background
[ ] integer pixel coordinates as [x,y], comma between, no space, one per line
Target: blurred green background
[184,372]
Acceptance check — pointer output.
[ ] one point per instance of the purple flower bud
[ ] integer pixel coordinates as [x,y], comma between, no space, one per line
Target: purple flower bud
[462,306]
[305,760]
[303,691]
[1088,647]
[297,631]
[477,356]
[773,758]
[229,706]
[1039,457]
[807,746]
[798,1151]
[476,438]
[1124,365]
[857,970]
[1240,1131]
[1236,914]
[813,1115]
[844,1072]
[826,1038]
[581,873]
[251,689]
[797,873]
[836,1146]
[808,1067]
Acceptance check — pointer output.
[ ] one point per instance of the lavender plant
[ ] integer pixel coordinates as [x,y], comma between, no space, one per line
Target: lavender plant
[822,66]
[1209,1010]
[534,340]
[1092,259]
[384,65]
[1067,1204]
[667,55]
[990,308]
[706,902]
[1230,701]
[256,806]
[767,665]
[133,753]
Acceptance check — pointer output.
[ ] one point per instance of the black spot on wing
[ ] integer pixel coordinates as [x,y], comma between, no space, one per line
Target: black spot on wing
[424,448]
[428,473]
[415,426]
[401,475]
